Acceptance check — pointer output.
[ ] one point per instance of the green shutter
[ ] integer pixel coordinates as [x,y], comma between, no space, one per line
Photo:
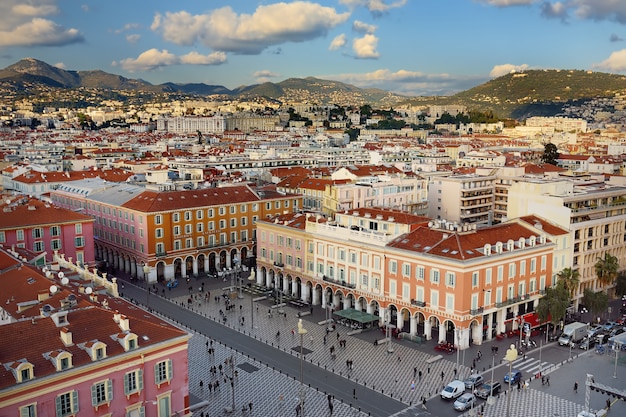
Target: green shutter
[109,390]
[156,374]
[140,379]
[94,395]
[75,401]
[169,370]
[142,411]
[58,404]
[126,384]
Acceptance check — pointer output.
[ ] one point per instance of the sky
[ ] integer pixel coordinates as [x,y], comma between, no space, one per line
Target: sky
[410,47]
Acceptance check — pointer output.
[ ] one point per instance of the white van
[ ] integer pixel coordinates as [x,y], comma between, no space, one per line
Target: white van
[453,390]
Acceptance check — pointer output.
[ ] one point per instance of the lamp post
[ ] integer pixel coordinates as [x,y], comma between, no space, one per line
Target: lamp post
[231,361]
[301,331]
[616,347]
[329,308]
[511,355]
[389,327]
[146,275]
[251,278]
[491,400]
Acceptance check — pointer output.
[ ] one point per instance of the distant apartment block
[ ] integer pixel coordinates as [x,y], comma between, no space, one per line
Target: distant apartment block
[462,199]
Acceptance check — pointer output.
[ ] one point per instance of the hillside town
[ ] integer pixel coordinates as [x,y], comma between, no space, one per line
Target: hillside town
[453,233]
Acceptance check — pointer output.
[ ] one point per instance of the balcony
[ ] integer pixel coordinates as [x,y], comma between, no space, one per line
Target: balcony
[338,282]
[477,311]
[418,303]
[279,264]
[161,254]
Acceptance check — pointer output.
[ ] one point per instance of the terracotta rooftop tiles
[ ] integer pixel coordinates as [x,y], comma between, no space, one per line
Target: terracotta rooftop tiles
[27,211]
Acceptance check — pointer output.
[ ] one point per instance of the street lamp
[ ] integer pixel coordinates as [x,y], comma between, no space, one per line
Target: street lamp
[388,330]
[329,307]
[231,361]
[301,331]
[251,278]
[511,355]
[146,275]
[491,400]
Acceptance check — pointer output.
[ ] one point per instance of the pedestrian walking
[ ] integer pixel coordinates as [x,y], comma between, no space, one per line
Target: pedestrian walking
[548,380]
[414,372]
[424,403]
[576,387]
[543,380]
[455,371]
[608,404]
[419,376]
[442,375]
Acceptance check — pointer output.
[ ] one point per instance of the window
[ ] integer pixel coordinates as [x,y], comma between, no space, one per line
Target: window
[20,234]
[158,233]
[160,248]
[211,212]
[176,217]
[243,208]
[393,267]
[187,229]
[158,219]
[79,228]
[500,273]
[64,363]
[25,374]
[55,231]
[450,279]
[101,393]
[199,227]
[543,262]
[222,224]
[79,242]
[244,221]
[29,410]
[37,233]
[406,269]
[199,214]
[187,216]
[233,222]
[434,276]
[533,265]
[163,372]
[67,404]
[474,279]
[211,225]
[419,273]
[222,211]
[511,271]
[522,268]
[3,237]
[133,382]
[38,246]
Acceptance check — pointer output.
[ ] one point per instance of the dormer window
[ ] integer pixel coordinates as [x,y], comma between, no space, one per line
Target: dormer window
[22,370]
[95,348]
[61,359]
[99,353]
[127,340]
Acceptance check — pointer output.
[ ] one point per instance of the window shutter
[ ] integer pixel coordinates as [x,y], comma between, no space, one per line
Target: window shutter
[58,404]
[169,370]
[140,379]
[142,411]
[156,374]
[126,384]
[94,395]
[109,390]
[74,402]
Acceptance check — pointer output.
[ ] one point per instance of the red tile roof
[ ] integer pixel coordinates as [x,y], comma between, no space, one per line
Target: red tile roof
[26,211]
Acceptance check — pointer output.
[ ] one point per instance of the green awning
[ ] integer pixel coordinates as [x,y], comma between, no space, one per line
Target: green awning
[356,315]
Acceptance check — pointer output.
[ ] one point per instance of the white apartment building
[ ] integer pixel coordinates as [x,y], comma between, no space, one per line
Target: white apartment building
[594,214]
[462,198]
[564,124]
[192,124]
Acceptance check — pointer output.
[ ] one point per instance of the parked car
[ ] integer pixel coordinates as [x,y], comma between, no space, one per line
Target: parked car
[488,388]
[172,284]
[515,376]
[453,390]
[616,331]
[473,381]
[587,342]
[465,401]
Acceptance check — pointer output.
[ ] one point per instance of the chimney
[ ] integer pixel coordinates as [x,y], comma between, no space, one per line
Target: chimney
[66,337]
[117,316]
[124,323]
[43,295]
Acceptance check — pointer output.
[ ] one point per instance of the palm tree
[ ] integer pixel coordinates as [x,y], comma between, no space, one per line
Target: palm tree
[570,278]
[606,269]
[553,305]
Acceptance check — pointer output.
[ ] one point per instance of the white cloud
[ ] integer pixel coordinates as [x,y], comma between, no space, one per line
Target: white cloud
[600,9]
[503,69]
[60,65]
[133,38]
[410,83]
[506,3]
[265,74]
[338,42]
[374,6]
[224,30]
[362,27]
[616,62]
[154,58]
[556,10]
[28,25]
[365,47]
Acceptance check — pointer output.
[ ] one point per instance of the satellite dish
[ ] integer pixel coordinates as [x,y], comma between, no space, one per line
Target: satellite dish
[53,289]
[46,310]
[88,290]
[64,280]
[45,269]
[48,274]
[71,297]
[61,274]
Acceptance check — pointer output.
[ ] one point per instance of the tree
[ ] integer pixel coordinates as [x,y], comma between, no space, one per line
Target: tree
[620,284]
[553,305]
[596,302]
[606,269]
[550,154]
[571,279]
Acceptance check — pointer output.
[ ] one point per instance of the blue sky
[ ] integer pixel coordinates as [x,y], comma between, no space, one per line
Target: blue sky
[412,47]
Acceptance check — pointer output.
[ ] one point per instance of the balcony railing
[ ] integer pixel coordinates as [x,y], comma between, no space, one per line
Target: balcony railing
[161,254]
[477,311]
[418,303]
[279,264]
[339,282]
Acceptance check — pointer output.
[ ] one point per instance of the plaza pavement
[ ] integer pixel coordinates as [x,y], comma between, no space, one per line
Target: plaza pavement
[390,373]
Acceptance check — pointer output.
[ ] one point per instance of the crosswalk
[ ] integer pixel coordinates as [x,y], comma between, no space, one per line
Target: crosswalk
[530,366]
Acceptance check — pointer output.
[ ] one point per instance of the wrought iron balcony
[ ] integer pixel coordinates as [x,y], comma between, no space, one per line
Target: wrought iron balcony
[339,282]
[418,303]
[477,311]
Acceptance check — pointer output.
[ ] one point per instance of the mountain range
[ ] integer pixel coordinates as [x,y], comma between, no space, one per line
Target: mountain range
[517,95]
